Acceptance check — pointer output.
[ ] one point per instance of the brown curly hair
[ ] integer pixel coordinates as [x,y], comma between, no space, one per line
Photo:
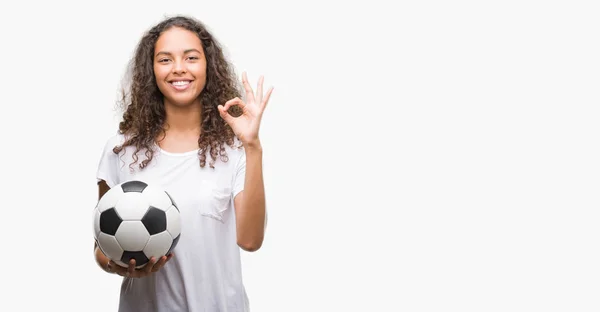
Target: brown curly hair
[144,113]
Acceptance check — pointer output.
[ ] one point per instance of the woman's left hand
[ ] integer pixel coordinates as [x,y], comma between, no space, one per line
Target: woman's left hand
[246,126]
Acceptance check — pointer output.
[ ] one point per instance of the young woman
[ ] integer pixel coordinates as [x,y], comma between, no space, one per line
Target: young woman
[186,130]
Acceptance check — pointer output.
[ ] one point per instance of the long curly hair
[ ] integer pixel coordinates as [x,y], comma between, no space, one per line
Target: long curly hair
[142,102]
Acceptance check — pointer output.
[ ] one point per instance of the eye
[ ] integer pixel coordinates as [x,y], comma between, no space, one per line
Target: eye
[163,60]
[194,58]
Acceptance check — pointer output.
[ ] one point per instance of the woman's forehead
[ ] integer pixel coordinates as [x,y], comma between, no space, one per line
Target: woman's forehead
[178,40]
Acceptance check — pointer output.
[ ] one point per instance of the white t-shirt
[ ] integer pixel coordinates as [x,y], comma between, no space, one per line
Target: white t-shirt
[205,272]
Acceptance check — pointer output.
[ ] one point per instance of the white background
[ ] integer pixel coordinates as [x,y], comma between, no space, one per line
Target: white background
[419,155]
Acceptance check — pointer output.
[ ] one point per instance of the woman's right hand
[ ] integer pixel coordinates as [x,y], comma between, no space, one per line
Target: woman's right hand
[151,267]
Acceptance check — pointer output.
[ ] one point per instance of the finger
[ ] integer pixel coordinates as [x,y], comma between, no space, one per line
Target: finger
[248,88]
[159,264]
[131,269]
[150,265]
[235,101]
[266,100]
[169,257]
[224,114]
[259,90]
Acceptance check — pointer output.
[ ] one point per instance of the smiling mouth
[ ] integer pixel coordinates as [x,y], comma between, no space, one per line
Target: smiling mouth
[180,85]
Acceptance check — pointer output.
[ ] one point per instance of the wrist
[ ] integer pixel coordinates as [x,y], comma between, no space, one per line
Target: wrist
[253,146]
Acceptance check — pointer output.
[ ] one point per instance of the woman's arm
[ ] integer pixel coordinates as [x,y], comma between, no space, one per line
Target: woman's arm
[250,203]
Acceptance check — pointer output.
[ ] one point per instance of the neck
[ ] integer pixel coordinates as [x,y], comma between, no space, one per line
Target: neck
[183,118]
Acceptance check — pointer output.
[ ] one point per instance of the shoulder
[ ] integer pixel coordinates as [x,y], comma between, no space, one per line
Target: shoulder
[113,141]
[116,139]
[108,167]
[109,145]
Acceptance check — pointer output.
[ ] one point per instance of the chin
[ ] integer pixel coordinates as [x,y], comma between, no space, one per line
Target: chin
[183,102]
[182,99]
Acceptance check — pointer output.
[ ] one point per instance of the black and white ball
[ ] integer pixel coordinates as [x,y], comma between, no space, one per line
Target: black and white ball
[136,220]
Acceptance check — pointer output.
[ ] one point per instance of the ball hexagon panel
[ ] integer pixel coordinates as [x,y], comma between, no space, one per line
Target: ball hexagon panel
[173,221]
[132,206]
[110,246]
[155,221]
[132,235]
[109,221]
[109,199]
[158,245]
[157,198]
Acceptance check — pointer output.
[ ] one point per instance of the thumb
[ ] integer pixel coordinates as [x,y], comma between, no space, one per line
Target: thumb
[224,114]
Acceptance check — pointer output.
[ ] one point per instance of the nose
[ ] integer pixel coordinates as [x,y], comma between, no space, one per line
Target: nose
[178,67]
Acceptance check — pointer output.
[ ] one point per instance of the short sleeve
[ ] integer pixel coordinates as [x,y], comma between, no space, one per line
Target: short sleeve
[240,174]
[108,164]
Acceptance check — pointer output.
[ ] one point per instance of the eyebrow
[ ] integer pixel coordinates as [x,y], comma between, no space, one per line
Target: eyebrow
[184,52]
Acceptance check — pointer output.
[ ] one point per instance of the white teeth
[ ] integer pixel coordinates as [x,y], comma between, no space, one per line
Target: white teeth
[180,83]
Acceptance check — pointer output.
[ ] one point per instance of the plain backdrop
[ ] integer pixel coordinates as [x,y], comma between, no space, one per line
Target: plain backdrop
[418,155]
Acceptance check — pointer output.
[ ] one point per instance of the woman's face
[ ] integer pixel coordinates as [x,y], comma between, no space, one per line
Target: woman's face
[179,66]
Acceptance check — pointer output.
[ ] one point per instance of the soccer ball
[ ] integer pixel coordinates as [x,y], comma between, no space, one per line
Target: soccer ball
[134,220]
